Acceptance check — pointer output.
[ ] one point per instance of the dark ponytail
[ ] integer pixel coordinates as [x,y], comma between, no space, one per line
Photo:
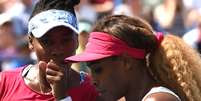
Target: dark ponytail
[44,5]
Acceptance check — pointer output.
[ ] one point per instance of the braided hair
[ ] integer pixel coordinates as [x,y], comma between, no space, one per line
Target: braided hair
[43,5]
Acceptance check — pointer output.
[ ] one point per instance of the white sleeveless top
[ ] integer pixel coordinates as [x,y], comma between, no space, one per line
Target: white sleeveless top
[160,90]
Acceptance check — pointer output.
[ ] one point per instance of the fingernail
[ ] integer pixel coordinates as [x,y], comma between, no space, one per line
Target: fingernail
[51,60]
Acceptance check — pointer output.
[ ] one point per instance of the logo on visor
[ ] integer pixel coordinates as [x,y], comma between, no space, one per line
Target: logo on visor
[52,17]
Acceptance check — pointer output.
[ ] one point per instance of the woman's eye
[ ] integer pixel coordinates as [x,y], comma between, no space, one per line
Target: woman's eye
[97,70]
[67,39]
[46,42]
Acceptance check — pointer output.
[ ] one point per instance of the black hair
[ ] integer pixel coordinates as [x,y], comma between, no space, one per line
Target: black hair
[44,5]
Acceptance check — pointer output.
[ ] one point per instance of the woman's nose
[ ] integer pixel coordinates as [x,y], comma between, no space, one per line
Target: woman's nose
[54,51]
[56,48]
[95,83]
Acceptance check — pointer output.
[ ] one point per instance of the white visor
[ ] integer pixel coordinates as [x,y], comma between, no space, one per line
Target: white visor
[46,20]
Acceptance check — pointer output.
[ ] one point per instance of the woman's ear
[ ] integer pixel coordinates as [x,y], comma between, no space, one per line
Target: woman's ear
[30,42]
[77,42]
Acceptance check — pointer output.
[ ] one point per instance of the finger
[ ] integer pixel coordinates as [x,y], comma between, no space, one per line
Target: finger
[53,79]
[42,65]
[52,72]
[52,65]
[42,68]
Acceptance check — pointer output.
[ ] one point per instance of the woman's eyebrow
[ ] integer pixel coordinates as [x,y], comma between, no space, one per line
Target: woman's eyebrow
[96,62]
[93,63]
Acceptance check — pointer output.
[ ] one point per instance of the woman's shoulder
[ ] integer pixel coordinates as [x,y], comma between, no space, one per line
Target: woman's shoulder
[9,78]
[12,72]
[161,94]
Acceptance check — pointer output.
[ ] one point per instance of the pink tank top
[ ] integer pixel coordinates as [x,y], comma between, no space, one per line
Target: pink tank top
[13,88]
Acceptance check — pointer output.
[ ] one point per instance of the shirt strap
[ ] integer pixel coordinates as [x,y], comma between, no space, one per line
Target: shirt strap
[26,70]
[160,90]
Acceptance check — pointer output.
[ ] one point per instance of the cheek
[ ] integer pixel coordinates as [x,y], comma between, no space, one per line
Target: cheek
[70,48]
[110,84]
[70,44]
[113,80]
[40,52]
[116,78]
[108,79]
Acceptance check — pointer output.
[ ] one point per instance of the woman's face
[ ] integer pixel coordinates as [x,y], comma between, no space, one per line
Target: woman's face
[56,44]
[109,77]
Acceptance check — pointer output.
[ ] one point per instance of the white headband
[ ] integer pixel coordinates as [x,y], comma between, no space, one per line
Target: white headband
[46,20]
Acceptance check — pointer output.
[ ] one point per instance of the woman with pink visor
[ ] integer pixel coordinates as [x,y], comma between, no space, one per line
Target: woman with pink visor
[128,59]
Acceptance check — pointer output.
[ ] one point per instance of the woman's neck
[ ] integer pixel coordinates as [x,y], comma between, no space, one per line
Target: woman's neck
[36,80]
[43,84]
[140,86]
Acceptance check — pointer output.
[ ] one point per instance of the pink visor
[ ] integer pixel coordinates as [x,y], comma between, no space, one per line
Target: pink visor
[101,45]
